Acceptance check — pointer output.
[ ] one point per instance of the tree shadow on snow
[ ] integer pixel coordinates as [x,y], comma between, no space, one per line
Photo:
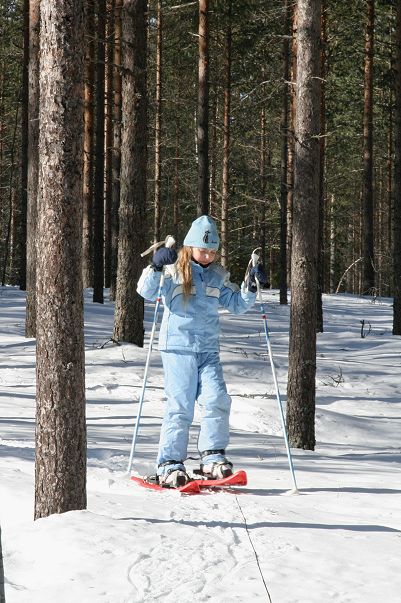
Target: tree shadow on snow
[269,524]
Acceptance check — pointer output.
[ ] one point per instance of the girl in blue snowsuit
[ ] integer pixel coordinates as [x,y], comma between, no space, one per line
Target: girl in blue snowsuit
[194,288]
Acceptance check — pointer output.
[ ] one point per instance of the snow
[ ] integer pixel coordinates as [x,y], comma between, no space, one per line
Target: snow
[339,540]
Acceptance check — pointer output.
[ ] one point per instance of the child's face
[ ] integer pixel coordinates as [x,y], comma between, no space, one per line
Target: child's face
[203,256]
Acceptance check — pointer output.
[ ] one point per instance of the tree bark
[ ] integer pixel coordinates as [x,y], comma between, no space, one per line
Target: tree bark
[397,182]
[367,185]
[260,215]
[116,156]
[87,222]
[33,163]
[226,140]
[285,126]
[203,110]
[98,213]
[2,591]
[24,148]
[291,139]
[320,254]
[108,144]
[302,347]
[60,467]
[128,319]
[158,123]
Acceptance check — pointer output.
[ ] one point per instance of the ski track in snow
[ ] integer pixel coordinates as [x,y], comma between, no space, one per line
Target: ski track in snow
[339,541]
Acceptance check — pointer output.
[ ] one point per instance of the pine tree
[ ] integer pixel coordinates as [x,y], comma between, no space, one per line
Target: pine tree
[60,463]
[302,349]
[203,109]
[33,165]
[397,181]
[128,318]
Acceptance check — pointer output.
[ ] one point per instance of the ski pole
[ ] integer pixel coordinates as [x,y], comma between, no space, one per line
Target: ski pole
[252,263]
[168,242]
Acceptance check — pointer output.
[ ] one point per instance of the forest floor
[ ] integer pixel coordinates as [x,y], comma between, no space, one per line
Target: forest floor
[339,540]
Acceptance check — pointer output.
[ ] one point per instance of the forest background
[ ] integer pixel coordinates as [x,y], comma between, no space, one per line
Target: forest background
[261,41]
[120,121]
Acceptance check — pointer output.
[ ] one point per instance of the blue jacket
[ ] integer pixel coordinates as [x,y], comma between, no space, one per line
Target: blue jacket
[194,325]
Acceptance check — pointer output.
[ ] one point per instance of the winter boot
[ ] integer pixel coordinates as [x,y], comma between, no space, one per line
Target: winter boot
[214,465]
[172,474]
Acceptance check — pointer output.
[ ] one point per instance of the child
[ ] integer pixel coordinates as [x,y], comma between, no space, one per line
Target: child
[193,290]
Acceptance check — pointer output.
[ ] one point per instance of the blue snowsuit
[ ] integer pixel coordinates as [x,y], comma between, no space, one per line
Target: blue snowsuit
[189,345]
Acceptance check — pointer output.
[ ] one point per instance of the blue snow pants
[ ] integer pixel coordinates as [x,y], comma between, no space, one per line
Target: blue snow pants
[191,377]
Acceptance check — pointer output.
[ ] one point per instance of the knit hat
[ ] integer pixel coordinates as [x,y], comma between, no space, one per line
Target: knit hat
[203,234]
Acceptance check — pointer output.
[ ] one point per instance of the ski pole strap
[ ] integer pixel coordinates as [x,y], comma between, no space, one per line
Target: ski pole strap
[169,241]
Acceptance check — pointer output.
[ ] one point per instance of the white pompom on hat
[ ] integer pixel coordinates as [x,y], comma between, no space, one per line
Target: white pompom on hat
[203,234]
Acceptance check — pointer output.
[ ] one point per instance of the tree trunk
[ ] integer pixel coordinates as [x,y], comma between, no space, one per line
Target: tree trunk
[397,182]
[98,214]
[291,140]
[333,254]
[128,320]
[33,166]
[9,244]
[176,198]
[320,253]
[2,592]
[87,222]
[203,110]
[285,123]
[60,467]
[226,141]
[367,185]
[24,149]
[158,122]
[108,145]
[302,347]
[116,157]
[260,215]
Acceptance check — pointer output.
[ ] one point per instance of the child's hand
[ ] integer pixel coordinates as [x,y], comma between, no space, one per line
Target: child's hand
[163,257]
[257,272]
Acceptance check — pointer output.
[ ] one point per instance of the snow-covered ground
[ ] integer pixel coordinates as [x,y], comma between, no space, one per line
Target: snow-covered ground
[340,540]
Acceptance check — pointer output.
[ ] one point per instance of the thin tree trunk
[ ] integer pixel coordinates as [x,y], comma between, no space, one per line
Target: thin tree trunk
[176,198]
[389,195]
[285,125]
[213,153]
[87,221]
[116,146]
[291,140]
[129,308]
[302,347]
[203,110]
[24,150]
[158,122]
[108,144]
[261,216]
[11,205]
[320,255]
[98,214]
[33,166]
[60,463]
[332,263]
[367,186]
[226,140]
[397,182]
[2,591]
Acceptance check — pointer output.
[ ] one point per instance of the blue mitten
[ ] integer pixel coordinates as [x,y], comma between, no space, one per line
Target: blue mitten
[162,257]
[257,272]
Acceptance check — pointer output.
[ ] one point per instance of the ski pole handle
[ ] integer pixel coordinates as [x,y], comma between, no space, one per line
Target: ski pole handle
[169,241]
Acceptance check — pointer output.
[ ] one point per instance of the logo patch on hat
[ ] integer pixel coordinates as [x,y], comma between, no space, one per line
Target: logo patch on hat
[206,236]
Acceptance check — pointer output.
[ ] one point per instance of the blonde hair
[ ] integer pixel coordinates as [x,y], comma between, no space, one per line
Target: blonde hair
[185,269]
